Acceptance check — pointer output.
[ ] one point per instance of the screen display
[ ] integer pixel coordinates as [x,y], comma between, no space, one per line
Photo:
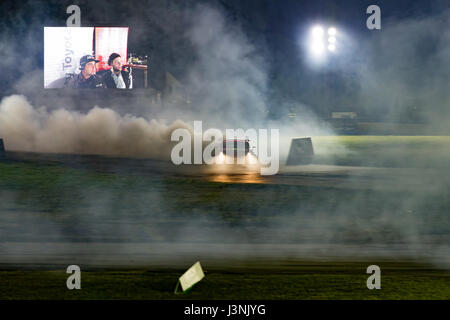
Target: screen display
[88,57]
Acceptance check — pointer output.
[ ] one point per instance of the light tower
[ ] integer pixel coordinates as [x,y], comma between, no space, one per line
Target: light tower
[318,45]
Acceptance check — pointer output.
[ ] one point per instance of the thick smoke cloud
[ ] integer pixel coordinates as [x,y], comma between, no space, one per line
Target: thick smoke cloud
[224,73]
[100,131]
[228,80]
[404,70]
[229,76]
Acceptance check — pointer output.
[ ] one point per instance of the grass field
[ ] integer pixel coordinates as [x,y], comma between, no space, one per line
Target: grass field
[344,280]
[88,201]
[53,202]
[384,151]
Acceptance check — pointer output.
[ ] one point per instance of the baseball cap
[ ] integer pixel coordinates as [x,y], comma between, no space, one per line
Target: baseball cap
[85,59]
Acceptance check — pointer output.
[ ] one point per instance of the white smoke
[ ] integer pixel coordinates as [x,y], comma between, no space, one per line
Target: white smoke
[100,131]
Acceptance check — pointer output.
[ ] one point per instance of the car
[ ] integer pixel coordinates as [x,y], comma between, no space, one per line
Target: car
[236,149]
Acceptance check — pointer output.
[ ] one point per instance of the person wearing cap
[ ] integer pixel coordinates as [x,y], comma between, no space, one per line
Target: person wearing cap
[117,78]
[87,77]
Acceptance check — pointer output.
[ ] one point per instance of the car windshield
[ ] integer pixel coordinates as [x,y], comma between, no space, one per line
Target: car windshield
[236,144]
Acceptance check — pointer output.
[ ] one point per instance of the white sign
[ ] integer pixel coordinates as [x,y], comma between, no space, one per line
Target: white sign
[63,49]
[192,276]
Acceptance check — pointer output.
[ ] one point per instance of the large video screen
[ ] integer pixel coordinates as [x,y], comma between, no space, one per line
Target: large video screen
[89,57]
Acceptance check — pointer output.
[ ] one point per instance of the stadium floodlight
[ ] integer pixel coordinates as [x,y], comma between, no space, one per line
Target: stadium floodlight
[332,39]
[322,40]
[317,45]
[317,48]
[317,32]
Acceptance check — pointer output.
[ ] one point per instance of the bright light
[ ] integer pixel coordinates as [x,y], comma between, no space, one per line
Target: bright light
[220,158]
[317,32]
[324,44]
[317,45]
[251,159]
[317,48]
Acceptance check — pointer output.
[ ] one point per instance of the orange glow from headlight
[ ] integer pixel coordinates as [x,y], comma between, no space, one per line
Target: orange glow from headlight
[220,159]
[251,159]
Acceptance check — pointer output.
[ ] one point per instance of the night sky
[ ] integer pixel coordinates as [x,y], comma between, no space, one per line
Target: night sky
[276,29]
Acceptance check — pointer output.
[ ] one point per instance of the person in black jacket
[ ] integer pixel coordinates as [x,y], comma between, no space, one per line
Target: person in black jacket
[116,77]
[87,78]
